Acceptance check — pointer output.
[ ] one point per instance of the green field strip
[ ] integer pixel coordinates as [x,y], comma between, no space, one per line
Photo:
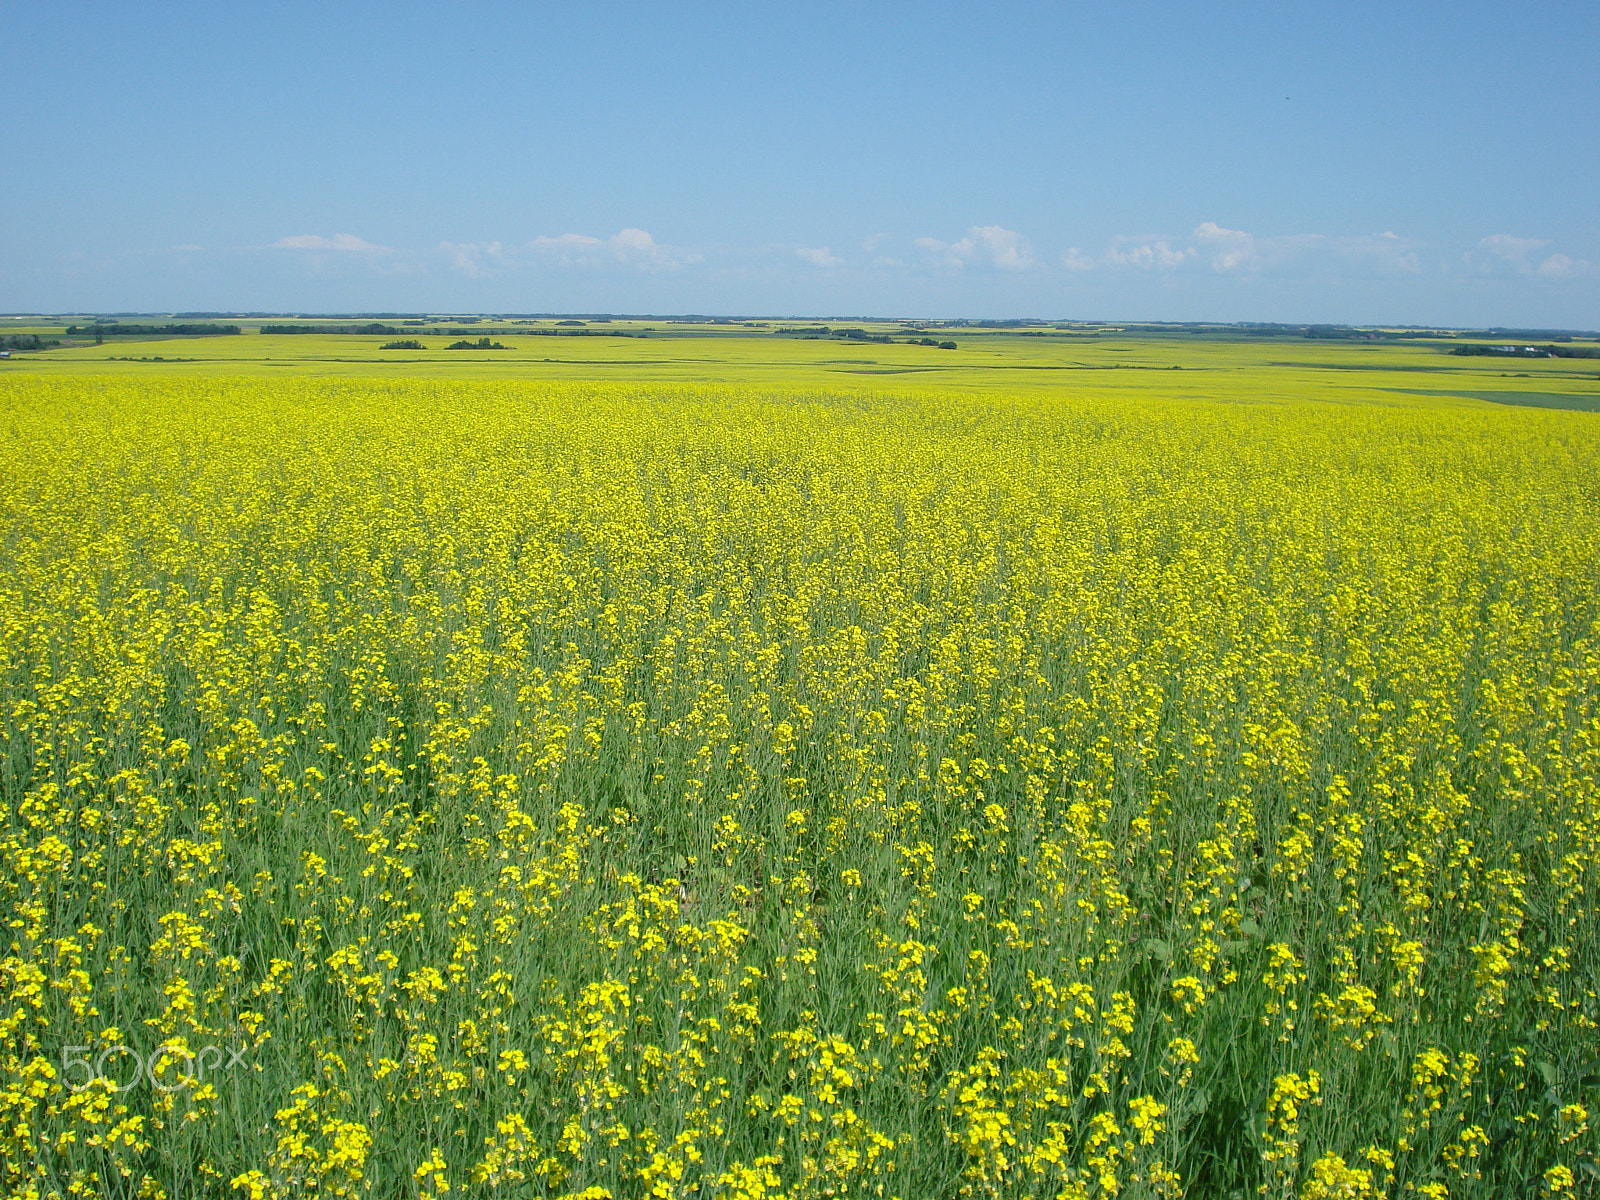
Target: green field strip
[1564,400]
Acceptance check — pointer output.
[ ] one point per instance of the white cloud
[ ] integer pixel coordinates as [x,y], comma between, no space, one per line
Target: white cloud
[186,246]
[1235,251]
[1209,247]
[1374,253]
[1005,247]
[339,241]
[819,256]
[992,245]
[1559,266]
[570,250]
[633,247]
[567,241]
[1513,250]
[1502,254]
[1147,255]
[1141,253]
[1385,253]
[1229,249]
[626,247]
[477,260]
[947,254]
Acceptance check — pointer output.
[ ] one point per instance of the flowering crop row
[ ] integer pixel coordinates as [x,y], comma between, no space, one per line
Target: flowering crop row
[603,791]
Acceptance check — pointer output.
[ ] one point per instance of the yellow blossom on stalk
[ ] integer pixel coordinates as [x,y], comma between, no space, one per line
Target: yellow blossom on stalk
[430,1175]
[1559,1181]
[1330,1178]
[1190,992]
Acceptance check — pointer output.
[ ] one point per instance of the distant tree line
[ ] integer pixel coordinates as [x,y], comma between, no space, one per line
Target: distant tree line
[1548,351]
[406,344]
[441,331]
[575,332]
[816,332]
[28,341]
[480,344]
[117,329]
[374,327]
[1343,333]
[352,316]
[1014,323]
[213,316]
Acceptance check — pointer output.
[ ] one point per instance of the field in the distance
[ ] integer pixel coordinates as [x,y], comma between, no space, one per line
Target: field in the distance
[1026,775]
[1207,362]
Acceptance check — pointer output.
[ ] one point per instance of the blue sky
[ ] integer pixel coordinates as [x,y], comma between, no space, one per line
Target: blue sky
[1426,163]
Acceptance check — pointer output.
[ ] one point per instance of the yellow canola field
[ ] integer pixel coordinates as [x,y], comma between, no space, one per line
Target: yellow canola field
[590,790]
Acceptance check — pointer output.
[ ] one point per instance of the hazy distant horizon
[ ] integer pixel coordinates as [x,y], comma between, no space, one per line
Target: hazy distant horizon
[444,315]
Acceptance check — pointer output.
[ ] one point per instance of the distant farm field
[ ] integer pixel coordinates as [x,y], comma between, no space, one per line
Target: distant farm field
[574,788]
